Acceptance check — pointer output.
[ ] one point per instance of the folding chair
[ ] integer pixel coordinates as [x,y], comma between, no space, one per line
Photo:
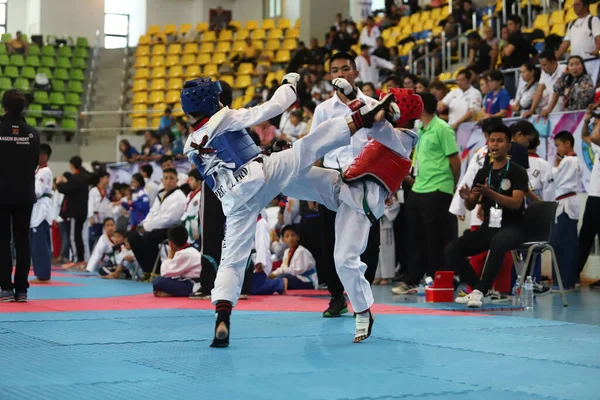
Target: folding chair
[156,263]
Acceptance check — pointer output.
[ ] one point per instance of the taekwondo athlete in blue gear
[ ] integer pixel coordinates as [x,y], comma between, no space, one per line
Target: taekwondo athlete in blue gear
[244,179]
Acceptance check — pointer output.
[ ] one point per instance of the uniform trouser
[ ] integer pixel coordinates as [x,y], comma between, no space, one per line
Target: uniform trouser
[174,287]
[387,254]
[590,227]
[566,247]
[145,247]
[279,170]
[14,222]
[41,250]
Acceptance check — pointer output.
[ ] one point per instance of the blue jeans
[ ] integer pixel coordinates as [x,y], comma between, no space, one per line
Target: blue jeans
[41,252]
[566,247]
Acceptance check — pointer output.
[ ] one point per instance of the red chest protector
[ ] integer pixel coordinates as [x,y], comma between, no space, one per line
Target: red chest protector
[379,163]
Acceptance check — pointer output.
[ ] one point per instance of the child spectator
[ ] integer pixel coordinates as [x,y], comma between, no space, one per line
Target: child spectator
[41,218]
[298,269]
[190,218]
[110,260]
[128,152]
[387,253]
[103,248]
[150,186]
[295,126]
[138,202]
[99,207]
[125,263]
[183,265]
[567,173]
[263,264]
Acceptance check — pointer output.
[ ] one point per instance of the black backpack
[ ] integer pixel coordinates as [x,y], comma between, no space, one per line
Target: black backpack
[589,24]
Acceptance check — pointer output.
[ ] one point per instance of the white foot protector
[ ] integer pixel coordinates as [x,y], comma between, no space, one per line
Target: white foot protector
[363,327]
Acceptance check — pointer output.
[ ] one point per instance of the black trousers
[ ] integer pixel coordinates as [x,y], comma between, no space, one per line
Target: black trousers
[146,247]
[497,241]
[589,229]
[75,225]
[14,223]
[213,225]
[369,257]
[427,215]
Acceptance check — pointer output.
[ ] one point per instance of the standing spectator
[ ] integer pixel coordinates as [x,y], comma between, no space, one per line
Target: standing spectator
[492,41]
[74,206]
[381,51]
[368,66]
[439,89]
[98,208]
[480,53]
[551,72]
[436,169]
[149,185]
[317,51]
[583,34]
[138,201]
[575,87]
[353,33]
[530,75]
[220,20]
[128,152]
[338,40]
[463,102]
[497,101]
[17,45]
[518,51]
[166,120]
[41,219]
[301,56]
[369,34]
[387,253]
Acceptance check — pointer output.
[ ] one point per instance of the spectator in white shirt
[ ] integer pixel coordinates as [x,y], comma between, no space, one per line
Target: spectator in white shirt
[551,72]
[583,34]
[295,127]
[150,186]
[368,66]
[369,34]
[530,76]
[165,162]
[41,218]
[463,102]
[99,207]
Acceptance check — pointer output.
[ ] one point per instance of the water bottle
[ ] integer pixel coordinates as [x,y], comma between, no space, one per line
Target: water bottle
[527,293]
[516,293]
[421,290]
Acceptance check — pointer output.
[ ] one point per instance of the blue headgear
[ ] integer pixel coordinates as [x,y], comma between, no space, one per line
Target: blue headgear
[201,95]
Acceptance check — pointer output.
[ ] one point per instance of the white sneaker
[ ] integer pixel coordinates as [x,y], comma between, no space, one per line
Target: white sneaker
[476,299]
[462,299]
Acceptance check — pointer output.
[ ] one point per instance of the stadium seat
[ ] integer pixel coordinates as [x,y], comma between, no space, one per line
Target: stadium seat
[172,60]
[11,71]
[237,103]
[170,29]
[48,51]
[33,110]
[269,54]
[22,84]
[559,29]
[594,9]
[61,73]
[292,33]
[158,109]
[275,34]
[155,123]
[158,72]
[79,63]
[211,70]
[570,15]
[201,27]
[272,45]
[144,40]
[259,34]
[33,50]
[251,25]
[156,97]
[282,56]
[284,23]
[71,110]
[142,73]
[31,121]
[77,74]
[4,59]
[63,62]
[185,28]
[223,47]
[190,48]
[268,24]
[139,124]
[428,24]
[238,45]
[140,98]
[174,49]
[75,87]
[157,61]
[48,62]
[209,36]
[142,51]
[258,44]
[242,34]
[192,72]
[206,48]
[425,16]
[58,85]
[48,121]
[203,59]
[226,35]
[3,48]
[6,37]
[414,18]
[228,79]
[41,97]
[57,98]
[158,84]
[153,29]
[65,51]
[69,124]
[245,69]
[173,96]
[219,58]
[28,72]
[140,85]
[242,81]
[445,76]
[5,83]
[177,111]
[236,24]
[142,62]
[159,50]
[557,17]
[46,71]
[174,84]
[138,110]
[17,60]
[176,71]
[32,61]
[82,42]
[541,21]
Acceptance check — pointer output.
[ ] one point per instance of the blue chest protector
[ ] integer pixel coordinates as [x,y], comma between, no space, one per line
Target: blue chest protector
[235,147]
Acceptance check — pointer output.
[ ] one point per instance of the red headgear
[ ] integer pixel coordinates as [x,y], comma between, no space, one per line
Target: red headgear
[409,103]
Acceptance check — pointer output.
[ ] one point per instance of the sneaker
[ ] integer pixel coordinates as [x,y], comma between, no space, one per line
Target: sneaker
[476,299]
[497,297]
[404,288]
[336,308]
[21,297]
[462,298]
[539,289]
[7,296]
[199,295]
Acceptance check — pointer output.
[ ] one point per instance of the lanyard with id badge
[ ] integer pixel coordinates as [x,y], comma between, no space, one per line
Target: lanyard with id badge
[496,211]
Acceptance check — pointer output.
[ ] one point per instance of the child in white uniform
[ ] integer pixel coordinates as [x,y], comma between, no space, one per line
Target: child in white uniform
[103,247]
[41,219]
[190,217]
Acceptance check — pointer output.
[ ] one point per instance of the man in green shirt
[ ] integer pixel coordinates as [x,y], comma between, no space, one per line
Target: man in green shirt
[436,167]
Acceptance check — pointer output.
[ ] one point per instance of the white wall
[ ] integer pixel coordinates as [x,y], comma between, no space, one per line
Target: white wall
[33,16]
[16,17]
[291,9]
[72,18]
[136,9]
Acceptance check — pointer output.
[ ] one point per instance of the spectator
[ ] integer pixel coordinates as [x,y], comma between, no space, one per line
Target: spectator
[567,173]
[421,85]
[369,34]
[138,201]
[583,34]
[166,120]
[436,169]
[353,32]
[492,41]
[98,207]
[496,102]
[262,261]
[439,89]
[169,144]
[503,206]
[368,89]
[483,83]
[530,75]
[124,260]
[190,218]
[18,45]
[338,40]
[149,185]
[298,270]
[480,53]
[387,254]
[182,268]
[301,56]
[393,81]
[318,52]
[575,87]
[248,55]
[166,162]
[220,20]
[518,51]
[539,172]
[41,219]
[466,15]
[165,212]
[101,252]
[463,102]
[185,129]
[368,66]
[551,72]
[295,126]
[128,152]
[395,58]
[409,81]
[309,111]
[154,150]
[380,50]
[339,19]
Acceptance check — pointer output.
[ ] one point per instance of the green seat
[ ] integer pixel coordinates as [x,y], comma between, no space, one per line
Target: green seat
[33,50]
[48,62]
[5,83]
[6,37]
[34,110]
[76,74]
[49,121]
[46,71]
[41,97]
[17,59]
[80,63]
[48,51]
[32,61]
[73,99]
[71,111]
[22,84]
[63,62]
[81,52]
[4,59]
[25,38]
[57,98]
[31,121]
[28,72]
[58,85]
[82,42]
[69,124]
[65,51]
[11,71]
[3,48]
[60,73]
[75,87]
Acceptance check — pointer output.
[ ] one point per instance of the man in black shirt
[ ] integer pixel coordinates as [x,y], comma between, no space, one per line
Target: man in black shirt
[500,187]
[19,156]
[517,153]
[517,52]
[479,53]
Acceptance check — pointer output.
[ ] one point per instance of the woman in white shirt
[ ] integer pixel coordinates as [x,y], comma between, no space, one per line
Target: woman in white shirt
[530,74]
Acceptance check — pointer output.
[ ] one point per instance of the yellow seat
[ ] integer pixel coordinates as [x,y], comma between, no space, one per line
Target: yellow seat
[157,61]
[203,59]
[170,29]
[142,51]
[190,48]
[176,71]
[228,79]
[282,56]
[407,48]
[425,15]
[268,24]
[251,25]
[292,33]
[139,110]
[275,34]
[192,72]
[201,27]
[414,18]
[279,75]
[211,70]
[245,69]
[417,27]
[570,15]
[172,60]
[258,44]
[159,38]
[437,30]
[140,98]
[177,111]
[141,73]
[436,12]
[406,30]
[297,24]
[242,34]
[243,81]
[207,48]
[594,9]
[157,84]
[159,50]
[158,109]
[445,76]
[568,4]
[157,97]
[268,54]
[236,24]
[141,62]
[225,35]
[289,44]
[155,123]
[428,25]
[209,36]
[219,58]
[153,29]
[270,77]
[390,42]
[265,64]
[174,48]
[238,45]
[237,103]
[404,20]
[188,59]
[223,47]
[272,44]
[559,29]
[284,23]
[259,34]
[385,35]
[138,124]
[557,17]
[185,28]
[140,85]
[174,84]
[173,96]
[144,40]
[541,21]
[158,72]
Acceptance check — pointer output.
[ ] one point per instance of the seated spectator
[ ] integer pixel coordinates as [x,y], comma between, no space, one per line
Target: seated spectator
[298,270]
[421,85]
[551,73]
[153,150]
[301,56]
[104,247]
[530,75]
[126,263]
[496,102]
[483,83]
[248,55]
[410,81]
[369,35]
[392,81]
[294,127]
[138,202]
[463,102]
[165,212]
[108,262]
[182,266]
[170,145]
[368,66]
[166,120]
[128,152]
[502,186]
[17,45]
[575,87]
[369,90]
[190,219]
[480,53]
[166,162]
